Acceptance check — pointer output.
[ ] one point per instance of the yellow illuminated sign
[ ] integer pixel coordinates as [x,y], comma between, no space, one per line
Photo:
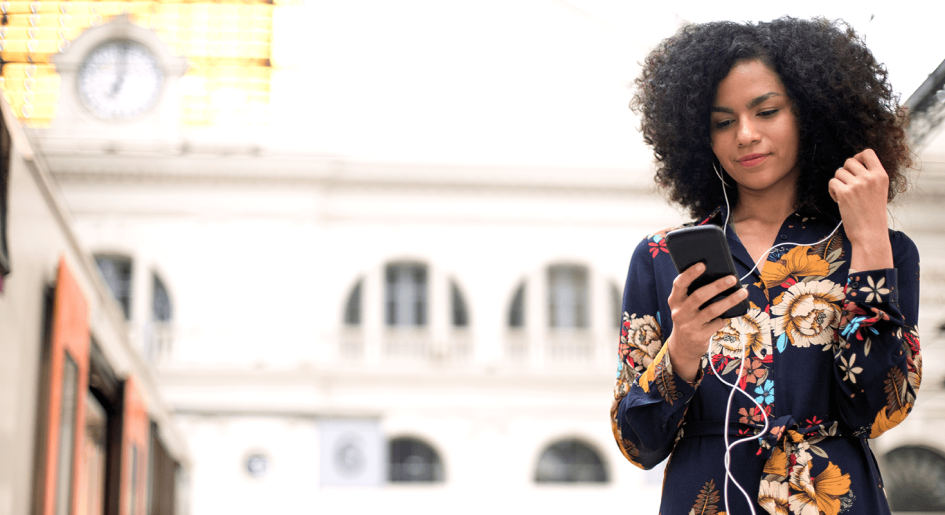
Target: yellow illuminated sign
[228,44]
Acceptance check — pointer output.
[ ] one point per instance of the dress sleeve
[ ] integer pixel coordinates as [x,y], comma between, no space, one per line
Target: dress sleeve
[878,364]
[650,400]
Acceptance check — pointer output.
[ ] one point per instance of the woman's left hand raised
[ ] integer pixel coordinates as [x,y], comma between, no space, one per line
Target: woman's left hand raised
[861,189]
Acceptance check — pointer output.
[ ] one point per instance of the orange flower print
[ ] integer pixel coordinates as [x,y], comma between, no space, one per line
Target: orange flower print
[884,423]
[796,263]
[755,372]
[755,417]
[820,494]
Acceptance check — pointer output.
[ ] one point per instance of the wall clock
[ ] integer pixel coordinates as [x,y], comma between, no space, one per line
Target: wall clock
[119,80]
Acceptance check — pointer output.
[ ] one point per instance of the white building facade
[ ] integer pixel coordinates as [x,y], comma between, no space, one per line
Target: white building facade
[351,334]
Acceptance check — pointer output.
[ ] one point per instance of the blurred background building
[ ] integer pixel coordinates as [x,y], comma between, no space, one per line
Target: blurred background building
[345,257]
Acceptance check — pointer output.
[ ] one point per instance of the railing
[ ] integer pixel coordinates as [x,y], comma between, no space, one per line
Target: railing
[572,347]
[418,346]
[569,346]
[351,345]
[158,341]
[406,346]
[517,347]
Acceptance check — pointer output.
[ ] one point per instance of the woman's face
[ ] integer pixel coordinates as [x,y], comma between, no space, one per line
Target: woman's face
[754,131]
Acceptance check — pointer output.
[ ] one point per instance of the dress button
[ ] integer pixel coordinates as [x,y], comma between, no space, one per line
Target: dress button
[855,284]
[784,236]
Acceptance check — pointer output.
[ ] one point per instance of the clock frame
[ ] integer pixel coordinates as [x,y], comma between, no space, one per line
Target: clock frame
[119,80]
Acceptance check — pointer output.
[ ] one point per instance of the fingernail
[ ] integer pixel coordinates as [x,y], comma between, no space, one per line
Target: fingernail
[730,280]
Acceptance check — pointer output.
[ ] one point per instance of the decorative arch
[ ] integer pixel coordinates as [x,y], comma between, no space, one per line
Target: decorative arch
[413,460]
[459,309]
[571,460]
[516,318]
[162,307]
[354,311]
[915,479]
[158,332]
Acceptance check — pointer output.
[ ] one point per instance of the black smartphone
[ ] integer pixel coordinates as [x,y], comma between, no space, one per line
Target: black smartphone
[705,244]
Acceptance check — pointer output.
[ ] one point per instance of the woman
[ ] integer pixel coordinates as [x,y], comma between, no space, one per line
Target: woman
[800,123]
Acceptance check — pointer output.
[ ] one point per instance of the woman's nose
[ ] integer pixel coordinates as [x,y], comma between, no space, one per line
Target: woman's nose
[747,133]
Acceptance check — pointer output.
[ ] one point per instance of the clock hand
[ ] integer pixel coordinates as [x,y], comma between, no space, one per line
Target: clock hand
[122,65]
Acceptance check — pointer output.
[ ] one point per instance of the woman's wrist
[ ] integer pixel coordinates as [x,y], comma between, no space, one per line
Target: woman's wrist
[686,367]
[871,254]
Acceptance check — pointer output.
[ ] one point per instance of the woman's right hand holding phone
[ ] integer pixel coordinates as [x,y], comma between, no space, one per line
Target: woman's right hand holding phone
[693,327]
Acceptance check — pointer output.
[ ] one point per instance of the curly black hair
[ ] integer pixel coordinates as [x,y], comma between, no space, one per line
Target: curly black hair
[841,98]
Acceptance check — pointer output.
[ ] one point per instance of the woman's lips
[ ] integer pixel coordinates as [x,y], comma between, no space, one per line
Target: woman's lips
[752,160]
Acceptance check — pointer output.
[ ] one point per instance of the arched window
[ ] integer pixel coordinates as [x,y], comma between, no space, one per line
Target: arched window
[353,305]
[458,303]
[567,297]
[116,270]
[413,461]
[570,461]
[915,479]
[617,299]
[158,333]
[406,294]
[160,301]
[517,308]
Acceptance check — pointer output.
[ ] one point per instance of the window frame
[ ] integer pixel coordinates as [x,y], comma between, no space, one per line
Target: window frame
[568,289]
[417,446]
[909,473]
[406,283]
[517,314]
[459,308]
[571,475]
[124,298]
[353,315]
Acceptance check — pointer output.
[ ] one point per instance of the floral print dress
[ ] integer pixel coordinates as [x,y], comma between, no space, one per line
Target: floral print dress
[831,356]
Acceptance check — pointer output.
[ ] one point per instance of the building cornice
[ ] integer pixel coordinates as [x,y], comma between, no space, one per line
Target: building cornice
[242,166]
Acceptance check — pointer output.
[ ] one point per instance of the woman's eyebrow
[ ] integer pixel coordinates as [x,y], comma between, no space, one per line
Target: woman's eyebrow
[753,103]
[757,100]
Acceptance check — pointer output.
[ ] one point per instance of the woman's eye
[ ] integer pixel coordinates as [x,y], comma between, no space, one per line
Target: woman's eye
[723,124]
[768,112]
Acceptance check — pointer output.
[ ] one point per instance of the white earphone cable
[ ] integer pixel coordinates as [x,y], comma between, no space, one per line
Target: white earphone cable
[741,368]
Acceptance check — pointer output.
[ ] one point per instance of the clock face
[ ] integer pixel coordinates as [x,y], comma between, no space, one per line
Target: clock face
[119,80]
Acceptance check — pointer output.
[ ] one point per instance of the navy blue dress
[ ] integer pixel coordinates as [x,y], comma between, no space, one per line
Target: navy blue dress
[830,355]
